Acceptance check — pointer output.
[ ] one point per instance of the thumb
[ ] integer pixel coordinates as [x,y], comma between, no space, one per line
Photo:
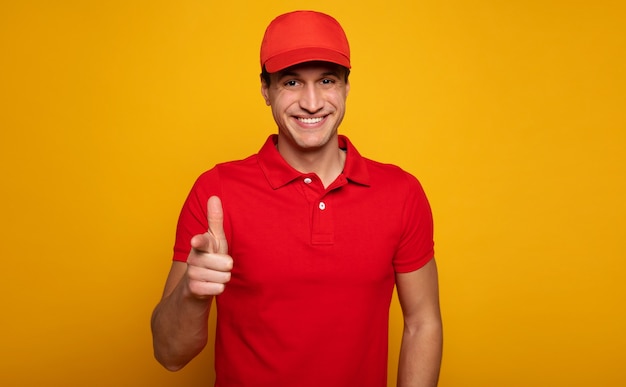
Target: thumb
[215,216]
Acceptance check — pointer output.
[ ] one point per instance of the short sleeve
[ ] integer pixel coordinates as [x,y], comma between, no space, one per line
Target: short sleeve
[193,216]
[416,246]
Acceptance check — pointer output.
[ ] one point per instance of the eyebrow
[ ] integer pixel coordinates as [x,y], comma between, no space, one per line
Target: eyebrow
[291,73]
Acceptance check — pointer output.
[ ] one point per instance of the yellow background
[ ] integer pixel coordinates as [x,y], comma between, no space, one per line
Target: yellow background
[511,113]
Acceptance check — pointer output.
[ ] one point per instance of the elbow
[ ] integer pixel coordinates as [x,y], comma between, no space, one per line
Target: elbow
[173,367]
[172,357]
[431,328]
[176,358]
[169,363]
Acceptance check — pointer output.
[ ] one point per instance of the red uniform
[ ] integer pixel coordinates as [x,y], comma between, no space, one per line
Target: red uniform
[314,267]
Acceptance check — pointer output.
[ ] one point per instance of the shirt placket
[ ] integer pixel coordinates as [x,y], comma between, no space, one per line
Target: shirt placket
[321,208]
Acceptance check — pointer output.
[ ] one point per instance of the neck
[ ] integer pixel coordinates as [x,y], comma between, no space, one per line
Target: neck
[327,162]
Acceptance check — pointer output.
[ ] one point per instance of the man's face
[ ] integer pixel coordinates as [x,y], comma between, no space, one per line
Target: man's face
[308,103]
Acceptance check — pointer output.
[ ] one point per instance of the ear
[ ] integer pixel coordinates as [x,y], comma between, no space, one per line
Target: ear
[265,92]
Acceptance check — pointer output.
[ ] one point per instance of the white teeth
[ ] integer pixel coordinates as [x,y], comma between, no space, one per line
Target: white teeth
[310,120]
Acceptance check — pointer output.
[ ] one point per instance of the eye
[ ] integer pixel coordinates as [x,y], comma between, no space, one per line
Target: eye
[291,83]
[327,81]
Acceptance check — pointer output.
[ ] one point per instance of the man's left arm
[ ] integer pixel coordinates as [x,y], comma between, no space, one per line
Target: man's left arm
[422,338]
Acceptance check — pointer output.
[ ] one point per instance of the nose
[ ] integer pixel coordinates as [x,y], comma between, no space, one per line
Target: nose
[311,99]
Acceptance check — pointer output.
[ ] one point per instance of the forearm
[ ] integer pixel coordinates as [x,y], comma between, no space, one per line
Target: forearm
[420,355]
[179,328]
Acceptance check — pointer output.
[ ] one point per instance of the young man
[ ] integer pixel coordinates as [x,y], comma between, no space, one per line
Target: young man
[302,244]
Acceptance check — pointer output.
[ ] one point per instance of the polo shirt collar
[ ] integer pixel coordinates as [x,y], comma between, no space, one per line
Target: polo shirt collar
[279,173]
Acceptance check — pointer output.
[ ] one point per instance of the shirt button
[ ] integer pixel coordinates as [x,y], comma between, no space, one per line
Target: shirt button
[322,206]
[307,180]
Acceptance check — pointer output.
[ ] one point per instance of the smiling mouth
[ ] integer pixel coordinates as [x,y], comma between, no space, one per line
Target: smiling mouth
[310,121]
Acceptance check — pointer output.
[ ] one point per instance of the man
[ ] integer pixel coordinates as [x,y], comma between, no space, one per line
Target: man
[305,242]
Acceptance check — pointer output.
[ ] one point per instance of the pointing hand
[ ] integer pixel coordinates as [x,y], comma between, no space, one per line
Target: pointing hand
[208,264]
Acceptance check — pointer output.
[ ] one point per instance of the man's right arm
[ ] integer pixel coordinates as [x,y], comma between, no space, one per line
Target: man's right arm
[180,320]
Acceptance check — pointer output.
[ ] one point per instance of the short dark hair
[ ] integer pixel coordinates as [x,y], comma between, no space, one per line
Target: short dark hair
[265,76]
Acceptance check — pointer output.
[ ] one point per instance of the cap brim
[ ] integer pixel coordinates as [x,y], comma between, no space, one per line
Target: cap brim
[291,58]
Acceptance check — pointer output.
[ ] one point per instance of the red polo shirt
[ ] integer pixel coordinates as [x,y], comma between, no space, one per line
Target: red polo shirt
[308,302]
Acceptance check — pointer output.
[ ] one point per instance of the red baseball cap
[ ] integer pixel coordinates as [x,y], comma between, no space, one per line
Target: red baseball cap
[303,36]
